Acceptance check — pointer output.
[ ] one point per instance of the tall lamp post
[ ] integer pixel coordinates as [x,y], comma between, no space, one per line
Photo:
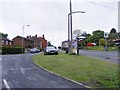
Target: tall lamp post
[70,30]
[23,36]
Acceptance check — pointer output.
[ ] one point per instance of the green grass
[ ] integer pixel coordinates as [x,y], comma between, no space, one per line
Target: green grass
[92,72]
[101,48]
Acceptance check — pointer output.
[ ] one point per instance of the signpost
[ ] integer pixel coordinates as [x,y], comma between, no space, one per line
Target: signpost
[106,47]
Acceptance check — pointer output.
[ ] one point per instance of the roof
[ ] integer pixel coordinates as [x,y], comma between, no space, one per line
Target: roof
[65,41]
[24,38]
[6,39]
[116,40]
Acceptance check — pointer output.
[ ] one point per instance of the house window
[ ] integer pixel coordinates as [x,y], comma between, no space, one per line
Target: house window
[2,41]
[6,42]
[10,43]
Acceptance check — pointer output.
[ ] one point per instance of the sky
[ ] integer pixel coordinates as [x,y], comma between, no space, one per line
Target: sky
[50,17]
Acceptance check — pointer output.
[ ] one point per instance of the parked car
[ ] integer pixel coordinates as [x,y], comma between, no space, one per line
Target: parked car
[34,50]
[50,50]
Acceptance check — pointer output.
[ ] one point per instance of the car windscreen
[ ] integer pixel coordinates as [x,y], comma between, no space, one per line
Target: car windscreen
[50,48]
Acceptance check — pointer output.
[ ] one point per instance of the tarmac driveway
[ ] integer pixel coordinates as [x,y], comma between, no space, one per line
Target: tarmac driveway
[20,72]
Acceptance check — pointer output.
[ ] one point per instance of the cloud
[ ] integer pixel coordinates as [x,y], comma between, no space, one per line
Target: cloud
[50,18]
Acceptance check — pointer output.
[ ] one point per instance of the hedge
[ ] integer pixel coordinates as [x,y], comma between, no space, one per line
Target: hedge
[11,50]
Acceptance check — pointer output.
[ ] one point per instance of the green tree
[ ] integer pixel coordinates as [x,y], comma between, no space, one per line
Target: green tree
[112,35]
[98,34]
[3,35]
[49,43]
[102,42]
[113,30]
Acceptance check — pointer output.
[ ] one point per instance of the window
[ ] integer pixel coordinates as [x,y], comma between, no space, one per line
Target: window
[2,41]
[6,42]
[10,43]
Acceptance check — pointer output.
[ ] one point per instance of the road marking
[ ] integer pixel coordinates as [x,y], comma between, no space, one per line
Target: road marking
[6,84]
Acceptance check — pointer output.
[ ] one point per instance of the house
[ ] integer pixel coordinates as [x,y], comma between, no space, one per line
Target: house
[117,41]
[44,42]
[27,42]
[65,45]
[30,42]
[5,42]
[39,42]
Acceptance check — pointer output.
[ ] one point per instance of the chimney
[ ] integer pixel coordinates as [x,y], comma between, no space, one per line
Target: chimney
[43,36]
[27,36]
[36,35]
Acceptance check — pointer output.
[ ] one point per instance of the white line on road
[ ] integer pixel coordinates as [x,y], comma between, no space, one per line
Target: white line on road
[6,84]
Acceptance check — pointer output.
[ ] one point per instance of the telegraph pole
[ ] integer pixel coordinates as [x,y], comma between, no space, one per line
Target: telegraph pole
[71,27]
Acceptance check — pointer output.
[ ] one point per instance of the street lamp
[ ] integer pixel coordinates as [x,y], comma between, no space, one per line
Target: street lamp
[70,30]
[23,35]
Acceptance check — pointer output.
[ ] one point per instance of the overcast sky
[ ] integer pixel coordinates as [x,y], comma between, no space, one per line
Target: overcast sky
[49,17]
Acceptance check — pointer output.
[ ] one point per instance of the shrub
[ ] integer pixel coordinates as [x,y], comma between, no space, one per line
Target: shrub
[11,50]
[102,42]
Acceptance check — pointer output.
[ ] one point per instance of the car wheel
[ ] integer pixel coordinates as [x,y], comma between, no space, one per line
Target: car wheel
[57,53]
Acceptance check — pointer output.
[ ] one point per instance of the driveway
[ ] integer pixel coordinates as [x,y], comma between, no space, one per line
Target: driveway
[20,72]
[113,56]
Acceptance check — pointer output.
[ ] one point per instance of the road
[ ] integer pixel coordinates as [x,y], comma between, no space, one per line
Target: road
[20,72]
[0,72]
[113,56]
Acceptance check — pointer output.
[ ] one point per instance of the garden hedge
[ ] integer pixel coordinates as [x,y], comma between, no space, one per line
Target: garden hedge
[11,50]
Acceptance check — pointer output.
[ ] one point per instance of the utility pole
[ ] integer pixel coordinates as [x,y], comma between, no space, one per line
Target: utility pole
[71,27]
[68,34]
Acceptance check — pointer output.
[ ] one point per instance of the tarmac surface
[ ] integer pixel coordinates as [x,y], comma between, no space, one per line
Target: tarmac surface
[18,71]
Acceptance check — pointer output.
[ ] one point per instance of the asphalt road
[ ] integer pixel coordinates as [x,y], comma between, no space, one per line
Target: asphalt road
[20,72]
[113,56]
[0,72]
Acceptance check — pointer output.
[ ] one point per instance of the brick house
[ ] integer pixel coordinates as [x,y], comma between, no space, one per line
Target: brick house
[30,42]
[5,42]
[44,42]
[40,42]
[27,43]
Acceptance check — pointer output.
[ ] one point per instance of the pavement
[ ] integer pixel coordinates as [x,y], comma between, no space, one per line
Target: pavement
[111,56]
[18,71]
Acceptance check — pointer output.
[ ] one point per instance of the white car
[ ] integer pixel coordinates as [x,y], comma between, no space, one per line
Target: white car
[34,50]
[50,50]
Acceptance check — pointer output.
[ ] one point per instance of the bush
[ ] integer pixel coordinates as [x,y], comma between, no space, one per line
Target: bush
[102,42]
[11,50]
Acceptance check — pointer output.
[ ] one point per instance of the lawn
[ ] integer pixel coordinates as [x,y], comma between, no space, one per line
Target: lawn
[90,71]
[101,48]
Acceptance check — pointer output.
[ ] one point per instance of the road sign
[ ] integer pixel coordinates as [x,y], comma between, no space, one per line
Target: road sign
[106,34]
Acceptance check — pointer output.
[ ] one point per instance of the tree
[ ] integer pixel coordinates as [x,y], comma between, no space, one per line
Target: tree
[84,34]
[113,30]
[76,33]
[3,35]
[112,35]
[98,34]
[49,43]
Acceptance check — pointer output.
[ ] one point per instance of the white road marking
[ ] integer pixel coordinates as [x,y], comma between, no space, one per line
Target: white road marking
[12,69]
[6,84]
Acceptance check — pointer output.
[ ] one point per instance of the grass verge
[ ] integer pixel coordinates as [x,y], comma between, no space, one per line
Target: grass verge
[90,71]
[101,48]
